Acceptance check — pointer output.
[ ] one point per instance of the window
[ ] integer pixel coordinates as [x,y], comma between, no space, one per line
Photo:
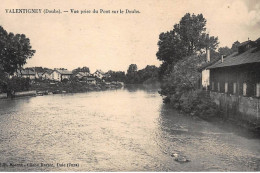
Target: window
[226,87]
[218,87]
[234,88]
[258,90]
[244,89]
[212,87]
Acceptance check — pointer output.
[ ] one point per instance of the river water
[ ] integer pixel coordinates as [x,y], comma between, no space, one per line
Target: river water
[118,130]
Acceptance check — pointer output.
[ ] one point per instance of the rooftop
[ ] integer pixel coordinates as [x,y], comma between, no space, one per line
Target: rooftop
[250,56]
[26,72]
[64,71]
[83,74]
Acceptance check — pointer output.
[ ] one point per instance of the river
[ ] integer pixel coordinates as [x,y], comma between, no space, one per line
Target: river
[117,130]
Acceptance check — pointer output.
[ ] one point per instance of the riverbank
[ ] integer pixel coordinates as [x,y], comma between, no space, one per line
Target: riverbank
[50,87]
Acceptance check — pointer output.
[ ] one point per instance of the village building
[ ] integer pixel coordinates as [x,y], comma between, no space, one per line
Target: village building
[85,76]
[25,73]
[91,80]
[204,82]
[47,75]
[38,72]
[81,75]
[38,75]
[99,74]
[60,74]
[235,81]
[239,73]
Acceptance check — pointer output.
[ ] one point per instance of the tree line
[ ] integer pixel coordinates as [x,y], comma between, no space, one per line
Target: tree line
[149,74]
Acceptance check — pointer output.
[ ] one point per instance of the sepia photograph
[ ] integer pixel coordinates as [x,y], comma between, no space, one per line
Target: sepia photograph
[130,86]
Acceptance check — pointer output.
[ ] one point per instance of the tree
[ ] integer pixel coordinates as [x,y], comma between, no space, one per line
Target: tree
[149,72]
[183,77]
[83,69]
[131,74]
[181,51]
[235,45]
[181,89]
[132,68]
[225,51]
[14,50]
[186,38]
[191,31]
[115,76]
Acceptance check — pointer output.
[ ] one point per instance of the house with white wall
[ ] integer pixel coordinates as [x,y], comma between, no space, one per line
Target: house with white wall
[61,74]
[205,72]
[47,74]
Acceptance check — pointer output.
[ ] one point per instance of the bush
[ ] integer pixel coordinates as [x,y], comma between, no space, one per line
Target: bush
[195,103]
[16,84]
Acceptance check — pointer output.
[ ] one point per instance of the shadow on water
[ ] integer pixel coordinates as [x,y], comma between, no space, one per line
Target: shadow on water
[174,122]
[141,87]
[8,104]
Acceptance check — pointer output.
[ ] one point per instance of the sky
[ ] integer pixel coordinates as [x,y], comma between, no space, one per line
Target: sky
[114,41]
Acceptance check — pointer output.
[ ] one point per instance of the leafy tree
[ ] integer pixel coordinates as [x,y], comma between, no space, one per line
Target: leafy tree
[181,51]
[132,68]
[186,38]
[14,50]
[131,74]
[149,72]
[83,69]
[116,76]
[134,76]
[235,45]
[183,77]
[181,89]
[225,51]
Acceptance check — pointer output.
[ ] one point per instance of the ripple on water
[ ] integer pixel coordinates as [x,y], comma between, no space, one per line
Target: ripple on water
[117,131]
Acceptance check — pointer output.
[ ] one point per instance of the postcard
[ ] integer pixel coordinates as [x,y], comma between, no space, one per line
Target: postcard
[120,86]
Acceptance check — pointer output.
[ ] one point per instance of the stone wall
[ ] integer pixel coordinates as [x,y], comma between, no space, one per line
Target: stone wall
[238,107]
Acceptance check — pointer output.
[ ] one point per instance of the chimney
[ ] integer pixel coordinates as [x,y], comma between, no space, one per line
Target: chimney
[222,58]
[208,55]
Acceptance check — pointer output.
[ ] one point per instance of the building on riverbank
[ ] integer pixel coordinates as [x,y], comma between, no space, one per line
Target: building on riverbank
[47,74]
[81,75]
[235,82]
[205,72]
[25,73]
[60,74]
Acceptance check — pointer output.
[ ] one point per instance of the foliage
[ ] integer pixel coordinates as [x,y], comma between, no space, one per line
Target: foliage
[197,103]
[225,51]
[148,73]
[186,38]
[183,78]
[134,76]
[131,74]
[228,51]
[181,51]
[115,76]
[16,84]
[235,46]
[15,49]
[83,69]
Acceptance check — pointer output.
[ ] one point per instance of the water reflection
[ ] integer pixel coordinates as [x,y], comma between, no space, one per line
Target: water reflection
[118,130]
